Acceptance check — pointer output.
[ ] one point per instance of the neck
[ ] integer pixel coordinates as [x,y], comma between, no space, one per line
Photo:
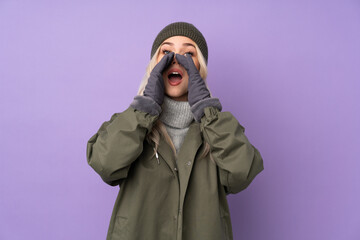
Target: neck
[183,98]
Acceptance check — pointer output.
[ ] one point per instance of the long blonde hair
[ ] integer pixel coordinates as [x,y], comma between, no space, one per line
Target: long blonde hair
[159,128]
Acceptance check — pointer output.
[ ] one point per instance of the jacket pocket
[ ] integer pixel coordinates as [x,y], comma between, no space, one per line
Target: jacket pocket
[121,228]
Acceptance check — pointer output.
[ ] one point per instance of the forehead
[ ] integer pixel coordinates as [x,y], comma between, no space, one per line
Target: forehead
[178,40]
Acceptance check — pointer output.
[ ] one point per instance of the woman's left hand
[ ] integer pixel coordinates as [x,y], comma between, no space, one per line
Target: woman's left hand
[197,89]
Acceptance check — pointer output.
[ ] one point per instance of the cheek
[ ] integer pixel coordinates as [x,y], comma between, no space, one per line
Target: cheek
[160,56]
[186,82]
[197,64]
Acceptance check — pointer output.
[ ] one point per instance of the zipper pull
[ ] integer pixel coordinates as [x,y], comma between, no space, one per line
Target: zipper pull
[157,156]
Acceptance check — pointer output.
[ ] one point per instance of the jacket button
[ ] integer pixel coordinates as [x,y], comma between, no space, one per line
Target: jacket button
[188,163]
[175,169]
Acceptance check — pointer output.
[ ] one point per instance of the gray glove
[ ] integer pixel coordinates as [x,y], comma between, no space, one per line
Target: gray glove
[197,89]
[155,87]
[154,91]
[198,94]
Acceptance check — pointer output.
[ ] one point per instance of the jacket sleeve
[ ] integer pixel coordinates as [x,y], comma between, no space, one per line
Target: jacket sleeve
[118,143]
[237,159]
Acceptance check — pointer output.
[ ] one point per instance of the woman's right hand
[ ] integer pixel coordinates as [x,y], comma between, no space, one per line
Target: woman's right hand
[155,87]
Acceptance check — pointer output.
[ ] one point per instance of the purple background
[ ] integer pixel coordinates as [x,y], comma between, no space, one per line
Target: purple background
[288,70]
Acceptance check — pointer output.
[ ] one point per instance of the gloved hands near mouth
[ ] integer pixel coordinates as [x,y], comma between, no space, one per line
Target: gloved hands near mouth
[154,91]
[156,87]
[197,89]
[198,94]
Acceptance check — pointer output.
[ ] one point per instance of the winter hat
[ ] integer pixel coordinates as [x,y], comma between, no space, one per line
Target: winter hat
[181,29]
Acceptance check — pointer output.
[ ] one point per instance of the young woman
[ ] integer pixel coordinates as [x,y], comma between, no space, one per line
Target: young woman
[173,152]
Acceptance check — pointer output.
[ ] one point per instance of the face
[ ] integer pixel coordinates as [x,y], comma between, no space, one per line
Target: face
[176,87]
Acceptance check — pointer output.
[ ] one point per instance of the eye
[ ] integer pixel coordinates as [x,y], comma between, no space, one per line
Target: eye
[166,51]
[190,53]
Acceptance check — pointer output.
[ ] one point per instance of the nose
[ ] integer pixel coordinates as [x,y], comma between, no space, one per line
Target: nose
[174,61]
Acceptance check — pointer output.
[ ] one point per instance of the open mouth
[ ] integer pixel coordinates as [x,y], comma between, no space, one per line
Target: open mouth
[175,77]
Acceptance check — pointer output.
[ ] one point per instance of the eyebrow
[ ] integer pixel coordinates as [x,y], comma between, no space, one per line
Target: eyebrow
[184,44]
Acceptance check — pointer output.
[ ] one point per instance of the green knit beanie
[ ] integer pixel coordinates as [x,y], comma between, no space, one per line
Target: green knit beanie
[181,29]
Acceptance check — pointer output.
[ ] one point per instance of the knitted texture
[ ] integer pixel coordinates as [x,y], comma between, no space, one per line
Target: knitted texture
[181,29]
[176,116]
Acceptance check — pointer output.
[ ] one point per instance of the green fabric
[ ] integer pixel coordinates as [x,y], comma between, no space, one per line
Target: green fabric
[158,200]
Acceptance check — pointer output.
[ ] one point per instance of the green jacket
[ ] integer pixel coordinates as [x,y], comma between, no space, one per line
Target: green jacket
[161,200]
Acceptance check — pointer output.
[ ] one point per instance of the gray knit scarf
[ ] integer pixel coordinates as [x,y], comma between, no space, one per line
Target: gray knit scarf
[176,116]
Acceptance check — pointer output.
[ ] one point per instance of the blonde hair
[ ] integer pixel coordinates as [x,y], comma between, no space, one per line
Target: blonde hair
[159,128]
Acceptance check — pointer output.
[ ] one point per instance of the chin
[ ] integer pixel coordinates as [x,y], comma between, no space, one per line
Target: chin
[178,96]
